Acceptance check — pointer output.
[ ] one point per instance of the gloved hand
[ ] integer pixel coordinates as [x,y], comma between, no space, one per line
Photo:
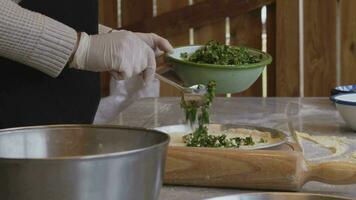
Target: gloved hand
[123,53]
[157,43]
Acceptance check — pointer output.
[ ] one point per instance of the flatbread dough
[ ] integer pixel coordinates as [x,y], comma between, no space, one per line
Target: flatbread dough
[177,138]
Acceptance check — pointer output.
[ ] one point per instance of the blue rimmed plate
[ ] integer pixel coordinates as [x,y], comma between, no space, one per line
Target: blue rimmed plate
[343,89]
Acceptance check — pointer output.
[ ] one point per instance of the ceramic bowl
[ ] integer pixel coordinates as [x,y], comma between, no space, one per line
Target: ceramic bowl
[343,89]
[346,105]
[229,78]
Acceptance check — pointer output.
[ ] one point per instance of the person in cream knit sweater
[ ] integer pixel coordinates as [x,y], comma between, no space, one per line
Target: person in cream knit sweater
[50,54]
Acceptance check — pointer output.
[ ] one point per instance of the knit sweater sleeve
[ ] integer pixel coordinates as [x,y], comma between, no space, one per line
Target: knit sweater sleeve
[34,39]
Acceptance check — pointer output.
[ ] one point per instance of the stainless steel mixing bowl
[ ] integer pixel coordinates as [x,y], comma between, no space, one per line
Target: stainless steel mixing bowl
[73,162]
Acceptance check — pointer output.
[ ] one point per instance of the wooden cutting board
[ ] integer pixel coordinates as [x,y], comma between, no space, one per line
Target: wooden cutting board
[278,169]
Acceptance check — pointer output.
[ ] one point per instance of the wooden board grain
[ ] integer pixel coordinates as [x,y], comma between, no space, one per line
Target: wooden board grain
[287,48]
[107,17]
[319,47]
[259,169]
[348,42]
[179,39]
[232,168]
[246,30]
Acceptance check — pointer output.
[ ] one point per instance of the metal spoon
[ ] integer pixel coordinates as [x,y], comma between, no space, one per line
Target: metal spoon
[192,93]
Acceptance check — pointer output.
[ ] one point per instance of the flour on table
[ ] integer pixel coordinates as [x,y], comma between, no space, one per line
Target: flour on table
[354,155]
[337,145]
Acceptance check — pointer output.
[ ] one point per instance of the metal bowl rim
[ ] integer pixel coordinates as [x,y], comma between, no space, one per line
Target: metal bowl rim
[282,193]
[87,157]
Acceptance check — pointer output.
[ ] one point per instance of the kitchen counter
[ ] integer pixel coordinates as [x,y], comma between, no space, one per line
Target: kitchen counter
[316,116]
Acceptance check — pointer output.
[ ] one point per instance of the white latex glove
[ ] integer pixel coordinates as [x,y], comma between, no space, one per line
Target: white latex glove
[157,43]
[122,53]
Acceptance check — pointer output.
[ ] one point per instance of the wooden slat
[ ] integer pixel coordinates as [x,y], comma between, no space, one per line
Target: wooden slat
[108,17]
[287,50]
[319,47]
[271,49]
[136,11]
[164,6]
[179,39]
[246,30]
[108,12]
[348,42]
[213,31]
[197,15]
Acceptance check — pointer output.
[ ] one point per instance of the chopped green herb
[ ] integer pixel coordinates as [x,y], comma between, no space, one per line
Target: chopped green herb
[184,55]
[200,137]
[248,141]
[221,54]
[194,108]
[262,141]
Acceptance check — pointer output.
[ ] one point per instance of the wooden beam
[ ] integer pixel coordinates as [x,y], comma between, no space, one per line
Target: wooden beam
[179,39]
[348,42]
[287,50]
[271,49]
[246,30]
[213,31]
[108,12]
[134,11]
[164,6]
[107,17]
[319,47]
[199,14]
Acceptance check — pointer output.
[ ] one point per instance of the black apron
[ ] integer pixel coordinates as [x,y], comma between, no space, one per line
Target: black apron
[29,97]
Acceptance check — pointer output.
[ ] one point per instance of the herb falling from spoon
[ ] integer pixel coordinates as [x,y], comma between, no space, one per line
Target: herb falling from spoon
[198,112]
